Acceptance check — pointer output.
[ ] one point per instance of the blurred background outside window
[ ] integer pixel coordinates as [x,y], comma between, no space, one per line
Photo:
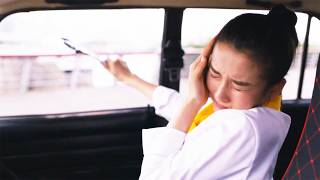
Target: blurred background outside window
[39,74]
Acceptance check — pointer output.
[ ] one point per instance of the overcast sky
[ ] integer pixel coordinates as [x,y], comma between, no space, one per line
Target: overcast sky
[118,30]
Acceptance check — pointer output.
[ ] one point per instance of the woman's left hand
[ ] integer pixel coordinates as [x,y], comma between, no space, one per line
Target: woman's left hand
[198,92]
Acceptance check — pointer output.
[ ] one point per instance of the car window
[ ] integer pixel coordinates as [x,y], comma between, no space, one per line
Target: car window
[200,25]
[312,59]
[39,74]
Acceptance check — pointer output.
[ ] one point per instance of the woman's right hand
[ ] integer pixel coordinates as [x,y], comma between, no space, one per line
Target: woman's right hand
[121,72]
[119,69]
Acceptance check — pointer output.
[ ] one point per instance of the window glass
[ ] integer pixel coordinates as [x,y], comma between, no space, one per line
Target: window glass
[39,74]
[312,59]
[200,25]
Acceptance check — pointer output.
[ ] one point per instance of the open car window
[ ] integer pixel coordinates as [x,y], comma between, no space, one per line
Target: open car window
[200,25]
[39,74]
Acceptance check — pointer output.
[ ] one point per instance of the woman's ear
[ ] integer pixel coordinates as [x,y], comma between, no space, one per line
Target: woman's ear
[276,90]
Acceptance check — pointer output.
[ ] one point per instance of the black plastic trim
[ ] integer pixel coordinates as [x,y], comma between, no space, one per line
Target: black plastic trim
[269,4]
[172,53]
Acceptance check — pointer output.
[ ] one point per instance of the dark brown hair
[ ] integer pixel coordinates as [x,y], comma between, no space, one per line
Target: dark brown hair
[270,40]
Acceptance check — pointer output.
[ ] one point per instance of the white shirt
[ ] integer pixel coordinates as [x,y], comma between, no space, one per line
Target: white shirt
[230,144]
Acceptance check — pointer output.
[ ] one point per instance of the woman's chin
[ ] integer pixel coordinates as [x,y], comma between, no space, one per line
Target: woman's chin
[218,106]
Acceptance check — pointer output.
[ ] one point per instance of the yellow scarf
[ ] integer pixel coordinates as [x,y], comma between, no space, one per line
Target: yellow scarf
[209,109]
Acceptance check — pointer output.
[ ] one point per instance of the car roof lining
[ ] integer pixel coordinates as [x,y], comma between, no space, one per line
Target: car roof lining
[7,6]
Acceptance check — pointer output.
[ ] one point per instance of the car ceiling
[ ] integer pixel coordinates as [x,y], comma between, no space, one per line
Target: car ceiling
[7,6]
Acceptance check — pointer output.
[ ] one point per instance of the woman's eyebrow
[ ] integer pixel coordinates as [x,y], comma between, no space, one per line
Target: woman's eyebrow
[214,70]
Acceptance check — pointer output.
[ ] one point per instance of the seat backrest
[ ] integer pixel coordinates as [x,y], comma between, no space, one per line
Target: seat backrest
[297,110]
[305,163]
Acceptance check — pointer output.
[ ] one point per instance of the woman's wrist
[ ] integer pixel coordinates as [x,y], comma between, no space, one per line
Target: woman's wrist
[185,116]
[194,103]
[143,86]
[130,80]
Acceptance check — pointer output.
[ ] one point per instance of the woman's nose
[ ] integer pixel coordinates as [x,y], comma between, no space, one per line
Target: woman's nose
[221,94]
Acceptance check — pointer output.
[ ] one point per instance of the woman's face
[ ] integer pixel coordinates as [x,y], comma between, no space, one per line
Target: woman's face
[234,80]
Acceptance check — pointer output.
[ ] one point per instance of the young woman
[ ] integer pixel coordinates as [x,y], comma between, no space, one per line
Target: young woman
[241,69]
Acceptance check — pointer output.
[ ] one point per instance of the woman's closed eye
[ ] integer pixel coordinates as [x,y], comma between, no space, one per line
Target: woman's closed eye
[238,88]
[214,75]
[241,86]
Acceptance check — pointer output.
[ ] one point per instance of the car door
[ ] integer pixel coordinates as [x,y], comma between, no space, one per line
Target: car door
[63,116]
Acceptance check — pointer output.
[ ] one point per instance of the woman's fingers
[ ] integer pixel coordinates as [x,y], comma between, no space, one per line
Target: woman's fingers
[197,68]
[203,63]
[195,63]
[106,64]
[119,69]
[199,64]
[197,91]
[113,64]
[206,52]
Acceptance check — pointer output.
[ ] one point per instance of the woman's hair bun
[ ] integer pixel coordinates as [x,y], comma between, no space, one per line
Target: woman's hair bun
[280,16]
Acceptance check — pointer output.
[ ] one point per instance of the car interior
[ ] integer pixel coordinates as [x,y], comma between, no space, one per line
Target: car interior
[106,143]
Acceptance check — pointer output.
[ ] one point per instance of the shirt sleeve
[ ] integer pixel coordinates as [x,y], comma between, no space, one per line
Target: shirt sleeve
[166,102]
[160,149]
[216,151]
